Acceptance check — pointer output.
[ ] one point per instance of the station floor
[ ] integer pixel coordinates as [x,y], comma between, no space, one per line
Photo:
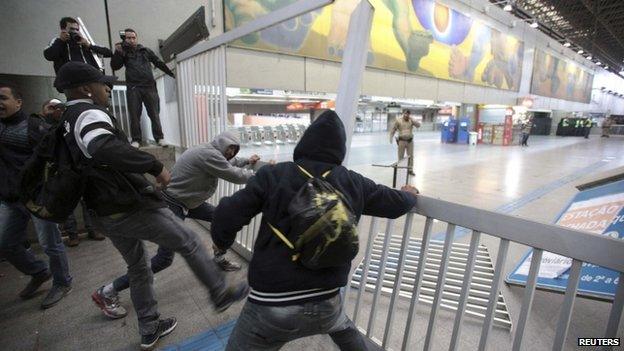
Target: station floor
[533,182]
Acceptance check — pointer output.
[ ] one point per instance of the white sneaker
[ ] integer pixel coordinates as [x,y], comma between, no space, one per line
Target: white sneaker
[162,142]
[136,144]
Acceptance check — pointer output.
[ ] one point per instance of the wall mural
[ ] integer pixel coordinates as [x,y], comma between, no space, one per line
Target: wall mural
[561,79]
[418,36]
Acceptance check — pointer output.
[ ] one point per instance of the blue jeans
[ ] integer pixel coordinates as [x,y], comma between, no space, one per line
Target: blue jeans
[13,223]
[128,231]
[164,256]
[262,327]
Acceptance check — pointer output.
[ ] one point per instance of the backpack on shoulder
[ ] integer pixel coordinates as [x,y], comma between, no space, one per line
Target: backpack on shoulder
[51,182]
[323,225]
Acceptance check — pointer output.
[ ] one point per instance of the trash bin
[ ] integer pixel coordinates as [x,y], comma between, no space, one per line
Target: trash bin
[472,139]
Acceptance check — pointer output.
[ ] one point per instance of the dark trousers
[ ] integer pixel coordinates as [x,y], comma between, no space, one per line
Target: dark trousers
[136,98]
[71,225]
[586,131]
[164,256]
[525,138]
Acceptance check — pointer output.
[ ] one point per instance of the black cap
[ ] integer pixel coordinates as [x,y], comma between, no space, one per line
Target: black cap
[74,74]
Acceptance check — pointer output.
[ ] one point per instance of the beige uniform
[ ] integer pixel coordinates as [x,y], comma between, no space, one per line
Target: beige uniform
[405,138]
[606,126]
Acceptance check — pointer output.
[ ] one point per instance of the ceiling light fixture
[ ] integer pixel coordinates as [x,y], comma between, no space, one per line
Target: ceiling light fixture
[589,57]
[534,24]
[580,52]
[599,63]
[508,7]
[567,44]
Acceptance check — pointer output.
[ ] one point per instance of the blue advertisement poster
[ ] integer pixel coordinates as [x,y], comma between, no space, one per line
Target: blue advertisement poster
[597,210]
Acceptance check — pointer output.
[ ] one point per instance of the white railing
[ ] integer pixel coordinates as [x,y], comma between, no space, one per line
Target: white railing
[580,246]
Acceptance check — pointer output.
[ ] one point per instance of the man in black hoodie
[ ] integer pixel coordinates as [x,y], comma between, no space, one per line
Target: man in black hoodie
[71,45]
[141,86]
[288,301]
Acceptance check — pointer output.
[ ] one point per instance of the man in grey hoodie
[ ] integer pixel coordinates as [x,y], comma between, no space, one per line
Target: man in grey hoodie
[194,180]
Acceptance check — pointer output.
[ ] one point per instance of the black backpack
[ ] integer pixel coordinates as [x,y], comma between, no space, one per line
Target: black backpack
[51,182]
[323,225]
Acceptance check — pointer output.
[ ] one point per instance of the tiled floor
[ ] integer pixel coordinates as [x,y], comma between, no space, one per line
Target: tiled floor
[533,182]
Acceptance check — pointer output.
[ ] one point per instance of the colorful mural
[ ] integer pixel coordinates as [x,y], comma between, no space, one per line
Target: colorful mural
[561,79]
[417,36]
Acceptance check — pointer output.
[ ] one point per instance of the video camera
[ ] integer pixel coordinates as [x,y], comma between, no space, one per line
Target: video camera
[74,36]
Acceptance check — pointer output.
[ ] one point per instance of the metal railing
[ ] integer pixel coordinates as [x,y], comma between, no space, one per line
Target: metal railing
[580,246]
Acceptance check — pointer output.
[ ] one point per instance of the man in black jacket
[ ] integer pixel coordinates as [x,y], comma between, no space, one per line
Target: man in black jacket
[141,86]
[287,300]
[17,138]
[126,206]
[71,45]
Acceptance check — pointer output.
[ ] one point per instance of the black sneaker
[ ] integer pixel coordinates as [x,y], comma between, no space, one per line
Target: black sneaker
[231,295]
[227,265]
[56,294]
[34,284]
[165,327]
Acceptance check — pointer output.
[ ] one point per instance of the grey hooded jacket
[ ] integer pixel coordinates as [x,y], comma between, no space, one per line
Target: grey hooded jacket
[195,174]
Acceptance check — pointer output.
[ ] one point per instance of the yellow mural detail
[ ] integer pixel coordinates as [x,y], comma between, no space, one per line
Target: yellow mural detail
[418,36]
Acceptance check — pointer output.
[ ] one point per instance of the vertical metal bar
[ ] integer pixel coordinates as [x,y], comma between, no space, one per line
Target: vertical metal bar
[422,259]
[396,290]
[616,309]
[223,86]
[446,253]
[529,293]
[380,277]
[196,96]
[493,300]
[181,97]
[372,234]
[568,305]
[212,113]
[461,307]
[355,54]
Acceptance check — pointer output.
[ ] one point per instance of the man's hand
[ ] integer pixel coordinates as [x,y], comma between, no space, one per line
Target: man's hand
[64,36]
[119,48]
[84,42]
[163,178]
[253,159]
[410,189]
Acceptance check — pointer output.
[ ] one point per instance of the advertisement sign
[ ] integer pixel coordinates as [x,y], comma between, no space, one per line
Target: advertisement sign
[561,79]
[597,210]
[418,36]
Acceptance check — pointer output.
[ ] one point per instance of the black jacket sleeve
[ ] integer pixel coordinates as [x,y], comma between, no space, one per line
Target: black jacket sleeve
[382,201]
[54,51]
[238,210]
[101,50]
[121,156]
[158,63]
[117,61]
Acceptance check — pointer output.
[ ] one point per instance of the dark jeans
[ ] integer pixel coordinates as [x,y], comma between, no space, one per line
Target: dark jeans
[270,327]
[136,97]
[71,225]
[164,256]
[127,232]
[525,138]
[13,223]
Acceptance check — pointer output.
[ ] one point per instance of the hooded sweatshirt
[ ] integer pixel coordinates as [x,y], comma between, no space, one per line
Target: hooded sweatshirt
[276,280]
[195,174]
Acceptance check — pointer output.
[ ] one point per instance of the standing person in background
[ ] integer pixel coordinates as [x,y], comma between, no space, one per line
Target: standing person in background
[606,127]
[526,131]
[16,147]
[71,45]
[141,86]
[405,140]
[587,125]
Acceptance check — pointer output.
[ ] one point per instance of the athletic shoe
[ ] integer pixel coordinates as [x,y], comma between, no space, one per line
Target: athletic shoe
[136,144]
[165,327]
[56,294]
[34,284]
[231,295]
[227,265]
[109,305]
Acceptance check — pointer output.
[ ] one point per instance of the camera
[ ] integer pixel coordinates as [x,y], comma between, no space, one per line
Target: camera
[122,35]
[74,36]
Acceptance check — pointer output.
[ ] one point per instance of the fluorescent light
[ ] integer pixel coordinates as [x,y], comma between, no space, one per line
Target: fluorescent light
[508,7]
[534,24]
[599,63]
[589,57]
[606,67]
[580,51]
[567,44]
[622,72]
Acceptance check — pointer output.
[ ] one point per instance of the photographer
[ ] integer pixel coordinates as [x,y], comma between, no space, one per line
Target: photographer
[71,45]
[140,82]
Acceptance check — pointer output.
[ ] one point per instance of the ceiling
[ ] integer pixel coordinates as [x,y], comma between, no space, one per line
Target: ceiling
[594,26]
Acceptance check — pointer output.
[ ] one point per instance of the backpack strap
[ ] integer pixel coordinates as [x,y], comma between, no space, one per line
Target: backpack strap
[324,175]
[284,239]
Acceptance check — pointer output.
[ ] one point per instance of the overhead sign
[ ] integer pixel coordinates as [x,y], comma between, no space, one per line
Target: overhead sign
[597,210]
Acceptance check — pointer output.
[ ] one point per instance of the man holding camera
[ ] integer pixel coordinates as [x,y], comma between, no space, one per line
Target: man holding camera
[71,45]
[140,83]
